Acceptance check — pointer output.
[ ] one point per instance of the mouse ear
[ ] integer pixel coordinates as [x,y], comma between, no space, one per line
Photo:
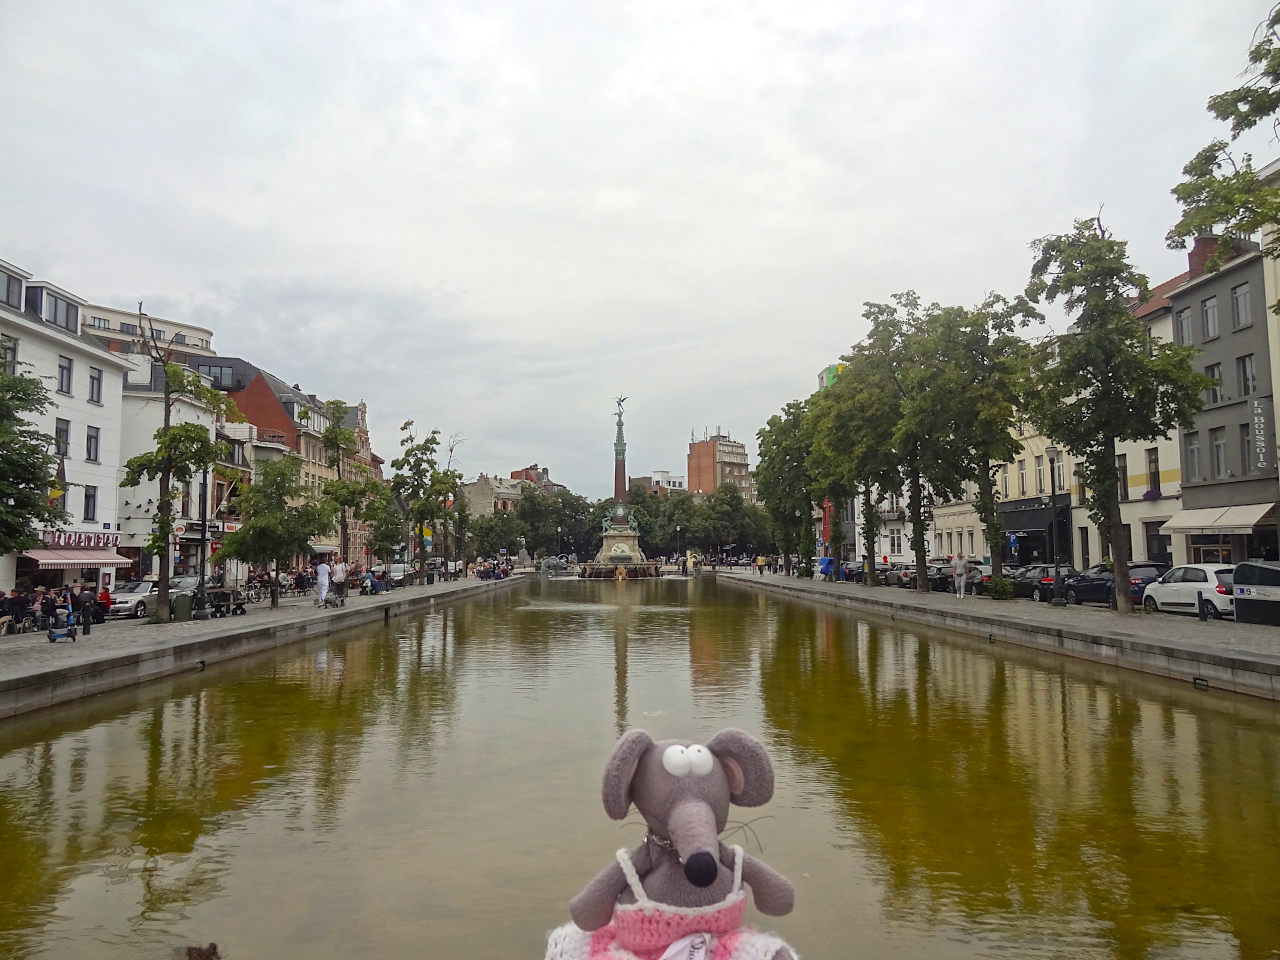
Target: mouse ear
[619,771]
[747,766]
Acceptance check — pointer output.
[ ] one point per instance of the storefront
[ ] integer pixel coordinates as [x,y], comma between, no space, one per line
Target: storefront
[68,556]
[1227,534]
[1027,534]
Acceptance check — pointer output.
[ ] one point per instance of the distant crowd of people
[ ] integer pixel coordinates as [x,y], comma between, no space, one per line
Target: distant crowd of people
[43,606]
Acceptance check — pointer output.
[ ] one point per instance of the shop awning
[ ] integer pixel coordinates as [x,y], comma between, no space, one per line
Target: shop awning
[76,559]
[1242,518]
[322,548]
[1238,519]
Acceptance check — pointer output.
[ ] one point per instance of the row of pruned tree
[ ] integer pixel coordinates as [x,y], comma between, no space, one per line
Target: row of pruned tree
[927,399]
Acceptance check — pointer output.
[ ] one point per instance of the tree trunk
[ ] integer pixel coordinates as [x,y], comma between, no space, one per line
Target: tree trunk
[869,527]
[915,511]
[165,513]
[1119,543]
[275,586]
[992,522]
[343,537]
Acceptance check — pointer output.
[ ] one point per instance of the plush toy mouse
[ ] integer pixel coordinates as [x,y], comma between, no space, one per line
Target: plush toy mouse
[680,893]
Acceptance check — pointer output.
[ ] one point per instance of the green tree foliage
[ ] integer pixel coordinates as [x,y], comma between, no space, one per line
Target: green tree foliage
[279,515]
[347,493]
[976,368]
[495,533]
[782,477]
[420,482]
[28,466]
[539,515]
[1105,381]
[182,451]
[385,523]
[1220,191]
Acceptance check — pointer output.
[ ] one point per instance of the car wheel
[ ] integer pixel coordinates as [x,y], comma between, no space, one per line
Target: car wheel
[1211,610]
[140,610]
[1035,594]
[1150,604]
[1072,596]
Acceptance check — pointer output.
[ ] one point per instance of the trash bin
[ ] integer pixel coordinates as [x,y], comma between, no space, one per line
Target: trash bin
[1256,586]
[431,576]
[181,607]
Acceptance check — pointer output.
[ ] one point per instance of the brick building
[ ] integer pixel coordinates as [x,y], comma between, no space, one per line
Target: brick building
[718,459]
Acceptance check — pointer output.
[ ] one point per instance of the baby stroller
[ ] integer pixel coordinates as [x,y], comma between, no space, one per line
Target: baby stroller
[62,627]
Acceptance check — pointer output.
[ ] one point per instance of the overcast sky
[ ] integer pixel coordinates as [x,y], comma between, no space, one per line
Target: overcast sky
[495,217]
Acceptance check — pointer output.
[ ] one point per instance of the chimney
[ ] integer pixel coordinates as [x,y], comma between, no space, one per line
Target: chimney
[1205,246]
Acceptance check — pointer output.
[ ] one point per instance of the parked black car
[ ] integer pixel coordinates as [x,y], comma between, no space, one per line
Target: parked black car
[1095,584]
[1036,581]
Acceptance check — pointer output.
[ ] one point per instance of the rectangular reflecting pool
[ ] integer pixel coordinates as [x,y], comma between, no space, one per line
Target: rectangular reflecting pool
[432,788]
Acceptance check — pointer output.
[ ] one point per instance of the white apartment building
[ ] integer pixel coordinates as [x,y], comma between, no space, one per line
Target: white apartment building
[41,327]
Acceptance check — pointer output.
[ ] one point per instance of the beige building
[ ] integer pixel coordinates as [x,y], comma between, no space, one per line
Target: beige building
[128,331]
[488,495]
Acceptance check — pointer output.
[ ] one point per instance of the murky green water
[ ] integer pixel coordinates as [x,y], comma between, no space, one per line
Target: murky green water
[432,790]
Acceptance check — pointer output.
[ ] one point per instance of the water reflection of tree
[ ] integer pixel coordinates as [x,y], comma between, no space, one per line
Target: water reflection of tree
[161,777]
[985,788]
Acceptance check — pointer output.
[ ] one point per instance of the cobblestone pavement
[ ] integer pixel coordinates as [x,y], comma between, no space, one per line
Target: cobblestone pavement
[22,654]
[1088,618]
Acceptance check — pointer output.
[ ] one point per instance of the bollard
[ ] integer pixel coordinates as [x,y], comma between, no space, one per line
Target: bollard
[1200,610]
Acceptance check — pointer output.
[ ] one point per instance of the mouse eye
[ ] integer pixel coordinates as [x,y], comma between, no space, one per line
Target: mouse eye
[676,760]
[700,760]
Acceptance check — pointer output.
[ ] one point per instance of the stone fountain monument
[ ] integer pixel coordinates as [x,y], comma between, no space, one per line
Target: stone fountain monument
[620,555]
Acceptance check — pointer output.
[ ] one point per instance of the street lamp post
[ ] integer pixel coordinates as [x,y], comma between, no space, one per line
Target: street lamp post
[799,536]
[557,540]
[1052,453]
[678,539]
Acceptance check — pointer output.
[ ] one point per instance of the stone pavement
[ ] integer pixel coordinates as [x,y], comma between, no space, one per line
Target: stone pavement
[30,653]
[1227,635]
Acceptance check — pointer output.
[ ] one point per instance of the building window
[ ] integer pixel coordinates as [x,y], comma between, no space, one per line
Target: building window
[95,385]
[1246,452]
[1153,469]
[1182,327]
[90,504]
[1084,547]
[179,338]
[9,355]
[186,500]
[59,312]
[1060,469]
[1214,393]
[157,334]
[971,543]
[1193,457]
[62,437]
[130,328]
[950,543]
[1209,317]
[11,290]
[100,323]
[1080,488]
[1122,476]
[895,540]
[64,375]
[91,444]
[1039,474]
[1240,315]
[1022,478]
[219,376]
[1246,376]
[1218,451]
[1004,480]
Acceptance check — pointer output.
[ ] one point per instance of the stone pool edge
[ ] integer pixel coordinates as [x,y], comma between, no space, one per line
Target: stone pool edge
[1251,674]
[225,640]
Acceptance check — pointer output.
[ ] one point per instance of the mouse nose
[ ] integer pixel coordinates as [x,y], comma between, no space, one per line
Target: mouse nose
[700,869]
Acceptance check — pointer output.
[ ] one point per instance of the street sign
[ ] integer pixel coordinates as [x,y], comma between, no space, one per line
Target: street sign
[179,529]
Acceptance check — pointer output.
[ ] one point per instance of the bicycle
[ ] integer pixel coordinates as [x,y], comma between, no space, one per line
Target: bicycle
[253,594]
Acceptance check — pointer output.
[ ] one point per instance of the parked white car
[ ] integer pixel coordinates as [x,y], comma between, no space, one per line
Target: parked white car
[1176,591]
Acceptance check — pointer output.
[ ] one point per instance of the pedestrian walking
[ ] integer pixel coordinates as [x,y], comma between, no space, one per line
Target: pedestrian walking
[322,581]
[760,564]
[958,573]
[340,577]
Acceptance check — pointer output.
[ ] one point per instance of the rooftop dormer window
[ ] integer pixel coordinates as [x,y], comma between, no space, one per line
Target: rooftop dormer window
[11,290]
[55,310]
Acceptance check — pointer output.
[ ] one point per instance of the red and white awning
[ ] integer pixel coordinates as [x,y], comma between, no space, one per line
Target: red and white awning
[76,559]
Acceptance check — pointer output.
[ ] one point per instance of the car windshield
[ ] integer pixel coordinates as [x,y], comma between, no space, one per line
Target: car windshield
[1225,577]
[142,586]
[182,583]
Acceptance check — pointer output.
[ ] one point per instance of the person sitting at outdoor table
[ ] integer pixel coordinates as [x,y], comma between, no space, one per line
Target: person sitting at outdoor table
[104,600]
